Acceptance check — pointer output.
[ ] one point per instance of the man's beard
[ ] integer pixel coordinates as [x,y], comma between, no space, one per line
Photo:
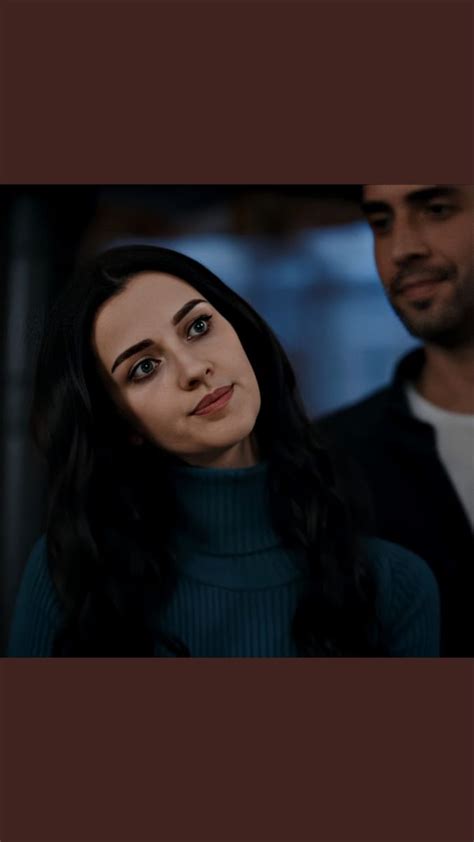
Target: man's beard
[450,326]
[446,323]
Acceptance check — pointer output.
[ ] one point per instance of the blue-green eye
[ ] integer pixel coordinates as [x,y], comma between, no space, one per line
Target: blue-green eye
[143,369]
[199,326]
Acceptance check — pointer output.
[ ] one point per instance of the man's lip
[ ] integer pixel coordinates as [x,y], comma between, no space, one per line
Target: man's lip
[420,276]
[418,285]
[207,400]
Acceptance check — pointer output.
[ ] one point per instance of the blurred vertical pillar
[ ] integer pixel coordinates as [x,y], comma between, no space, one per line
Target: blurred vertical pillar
[38,252]
[27,277]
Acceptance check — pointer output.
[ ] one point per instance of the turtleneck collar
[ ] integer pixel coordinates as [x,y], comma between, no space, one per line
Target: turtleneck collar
[224,511]
[225,536]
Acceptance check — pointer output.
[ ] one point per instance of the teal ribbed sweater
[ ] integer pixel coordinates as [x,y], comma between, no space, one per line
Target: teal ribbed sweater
[238,587]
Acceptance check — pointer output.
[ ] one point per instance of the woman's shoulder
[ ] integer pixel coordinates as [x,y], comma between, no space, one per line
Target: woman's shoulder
[407,598]
[393,562]
[37,608]
[37,577]
[37,562]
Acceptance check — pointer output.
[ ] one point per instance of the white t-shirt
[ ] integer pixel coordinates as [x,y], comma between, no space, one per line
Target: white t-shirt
[454,432]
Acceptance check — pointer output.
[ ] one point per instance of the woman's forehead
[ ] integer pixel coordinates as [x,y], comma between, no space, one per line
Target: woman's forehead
[148,297]
[158,288]
[143,309]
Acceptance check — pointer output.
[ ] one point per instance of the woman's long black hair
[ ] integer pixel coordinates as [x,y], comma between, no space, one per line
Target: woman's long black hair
[110,508]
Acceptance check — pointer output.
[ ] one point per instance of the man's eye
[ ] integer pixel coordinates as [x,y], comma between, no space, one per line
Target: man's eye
[199,327]
[379,223]
[143,369]
[440,209]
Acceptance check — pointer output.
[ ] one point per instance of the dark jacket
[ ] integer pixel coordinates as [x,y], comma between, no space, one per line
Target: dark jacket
[391,473]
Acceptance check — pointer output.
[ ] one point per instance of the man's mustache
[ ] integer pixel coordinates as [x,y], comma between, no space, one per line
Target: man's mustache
[418,272]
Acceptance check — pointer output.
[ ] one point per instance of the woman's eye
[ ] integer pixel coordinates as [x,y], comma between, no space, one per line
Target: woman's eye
[143,369]
[199,326]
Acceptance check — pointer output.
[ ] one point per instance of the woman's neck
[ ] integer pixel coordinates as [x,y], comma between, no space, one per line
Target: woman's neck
[243,454]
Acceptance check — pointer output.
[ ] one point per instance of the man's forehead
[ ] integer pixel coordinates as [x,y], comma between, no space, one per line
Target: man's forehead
[391,193]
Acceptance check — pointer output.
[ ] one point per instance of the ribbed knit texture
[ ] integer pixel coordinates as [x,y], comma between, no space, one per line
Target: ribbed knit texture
[237,586]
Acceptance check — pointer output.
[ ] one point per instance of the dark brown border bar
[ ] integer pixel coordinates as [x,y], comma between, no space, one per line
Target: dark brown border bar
[259,91]
[264,750]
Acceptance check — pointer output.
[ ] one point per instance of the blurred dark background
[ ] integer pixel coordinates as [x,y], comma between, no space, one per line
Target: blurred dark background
[301,255]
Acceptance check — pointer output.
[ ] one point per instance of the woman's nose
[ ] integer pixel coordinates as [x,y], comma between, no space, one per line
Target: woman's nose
[193,371]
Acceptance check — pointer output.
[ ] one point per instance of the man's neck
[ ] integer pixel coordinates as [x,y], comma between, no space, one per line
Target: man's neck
[447,378]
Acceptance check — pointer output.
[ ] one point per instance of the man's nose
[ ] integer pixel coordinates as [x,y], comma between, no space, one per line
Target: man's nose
[408,241]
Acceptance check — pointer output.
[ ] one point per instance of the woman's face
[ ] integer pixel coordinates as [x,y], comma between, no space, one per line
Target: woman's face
[176,368]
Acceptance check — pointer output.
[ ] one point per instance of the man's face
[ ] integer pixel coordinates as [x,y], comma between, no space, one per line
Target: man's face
[424,253]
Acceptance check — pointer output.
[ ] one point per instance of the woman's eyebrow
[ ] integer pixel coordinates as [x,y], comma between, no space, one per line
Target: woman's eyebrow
[186,308]
[145,343]
[139,346]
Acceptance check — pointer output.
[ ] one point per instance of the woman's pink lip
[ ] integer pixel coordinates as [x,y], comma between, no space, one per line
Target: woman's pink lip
[217,404]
